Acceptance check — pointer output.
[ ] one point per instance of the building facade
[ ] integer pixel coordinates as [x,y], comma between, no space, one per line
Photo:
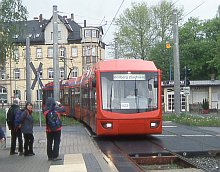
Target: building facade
[192,97]
[78,48]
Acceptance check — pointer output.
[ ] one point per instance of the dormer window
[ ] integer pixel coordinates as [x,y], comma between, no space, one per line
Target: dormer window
[58,36]
[94,34]
[87,33]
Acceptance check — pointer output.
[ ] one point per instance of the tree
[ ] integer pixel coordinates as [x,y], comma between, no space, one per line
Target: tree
[135,31]
[11,11]
[162,22]
[143,32]
[198,47]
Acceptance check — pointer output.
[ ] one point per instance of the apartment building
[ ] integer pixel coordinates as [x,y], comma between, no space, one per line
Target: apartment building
[78,48]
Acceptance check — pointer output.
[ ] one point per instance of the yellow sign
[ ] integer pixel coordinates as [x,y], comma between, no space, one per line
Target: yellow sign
[167,45]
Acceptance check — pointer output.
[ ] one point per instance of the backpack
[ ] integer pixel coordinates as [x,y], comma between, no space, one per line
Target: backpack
[17,120]
[11,117]
[53,120]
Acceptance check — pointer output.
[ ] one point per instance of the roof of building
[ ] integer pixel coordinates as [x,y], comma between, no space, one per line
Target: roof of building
[35,30]
[193,83]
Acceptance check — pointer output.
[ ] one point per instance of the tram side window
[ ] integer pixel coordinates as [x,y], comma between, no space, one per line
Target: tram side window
[77,96]
[85,97]
[93,99]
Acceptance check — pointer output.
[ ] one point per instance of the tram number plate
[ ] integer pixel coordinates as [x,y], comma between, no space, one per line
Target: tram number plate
[125,106]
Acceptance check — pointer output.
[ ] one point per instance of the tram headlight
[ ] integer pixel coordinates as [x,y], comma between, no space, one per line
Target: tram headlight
[107,125]
[154,124]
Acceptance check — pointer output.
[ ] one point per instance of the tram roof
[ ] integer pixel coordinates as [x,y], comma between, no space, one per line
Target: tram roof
[125,65]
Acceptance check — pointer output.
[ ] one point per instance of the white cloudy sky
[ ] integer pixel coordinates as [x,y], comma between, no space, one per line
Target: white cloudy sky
[94,11]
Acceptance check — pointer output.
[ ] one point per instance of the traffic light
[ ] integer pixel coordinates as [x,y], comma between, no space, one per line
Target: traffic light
[187,83]
[187,75]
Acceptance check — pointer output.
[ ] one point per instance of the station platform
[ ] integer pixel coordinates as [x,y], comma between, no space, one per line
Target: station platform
[78,151]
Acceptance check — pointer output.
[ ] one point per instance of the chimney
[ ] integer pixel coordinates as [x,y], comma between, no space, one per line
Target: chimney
[84,23]
[72,17]
[40,18]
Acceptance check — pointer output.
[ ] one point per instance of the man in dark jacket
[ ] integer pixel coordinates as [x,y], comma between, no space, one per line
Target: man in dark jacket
[53,137]
[15,132]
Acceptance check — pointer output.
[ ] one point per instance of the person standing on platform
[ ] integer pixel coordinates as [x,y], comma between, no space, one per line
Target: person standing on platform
[15,133]
[26,125]
[53,128]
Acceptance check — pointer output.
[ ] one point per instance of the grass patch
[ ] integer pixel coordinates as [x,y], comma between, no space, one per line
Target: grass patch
[193,120]
[65,120]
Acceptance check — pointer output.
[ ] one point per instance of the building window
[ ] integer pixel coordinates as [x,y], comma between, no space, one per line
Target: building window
[74,72]
[59,35]
[74,52]
[93,59]
[3,95]
[50,73]
[94,34]
[62,52]
[17,93]
[16,54]
[50,52]
[61,72]
[39,53]
[88,60]
[87,33]
[3,76]
[88,49]
[93,51]
[51,35]
[39,95]
[16,73]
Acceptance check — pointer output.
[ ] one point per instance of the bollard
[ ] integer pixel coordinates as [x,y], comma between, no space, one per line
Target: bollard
[7,132]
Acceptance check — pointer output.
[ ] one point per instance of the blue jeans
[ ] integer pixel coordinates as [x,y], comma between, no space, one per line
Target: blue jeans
[53,144]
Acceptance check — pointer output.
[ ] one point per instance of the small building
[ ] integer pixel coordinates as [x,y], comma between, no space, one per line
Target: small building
[192,96]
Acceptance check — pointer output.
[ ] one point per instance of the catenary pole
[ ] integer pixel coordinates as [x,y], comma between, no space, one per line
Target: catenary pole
[56,70]
[28,70]
[176,64]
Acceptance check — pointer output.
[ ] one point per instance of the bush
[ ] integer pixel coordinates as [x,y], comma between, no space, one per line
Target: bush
[205,104]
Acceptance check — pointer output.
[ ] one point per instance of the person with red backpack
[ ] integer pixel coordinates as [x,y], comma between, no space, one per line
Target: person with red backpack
[53,128]
[15,132]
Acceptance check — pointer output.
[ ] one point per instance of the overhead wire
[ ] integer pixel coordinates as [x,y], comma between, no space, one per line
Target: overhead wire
[113,19]
[194,9]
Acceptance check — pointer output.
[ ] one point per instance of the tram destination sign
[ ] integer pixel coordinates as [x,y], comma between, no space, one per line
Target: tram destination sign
[129,77]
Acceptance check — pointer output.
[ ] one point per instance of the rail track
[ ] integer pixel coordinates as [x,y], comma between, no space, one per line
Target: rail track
[145,153]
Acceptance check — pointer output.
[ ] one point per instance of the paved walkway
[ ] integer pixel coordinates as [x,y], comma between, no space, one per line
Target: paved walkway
[74,140]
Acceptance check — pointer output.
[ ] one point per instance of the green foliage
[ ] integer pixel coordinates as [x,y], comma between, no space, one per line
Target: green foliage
[141,27]
[205,104]
[11,11]
[191,120]
[134,30]
[198,44]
